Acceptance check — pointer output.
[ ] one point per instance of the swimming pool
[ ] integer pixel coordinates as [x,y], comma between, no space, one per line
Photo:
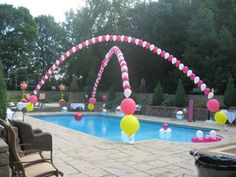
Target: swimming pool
[108,127]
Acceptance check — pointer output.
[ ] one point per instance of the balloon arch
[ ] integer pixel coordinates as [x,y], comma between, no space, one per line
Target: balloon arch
[139,42]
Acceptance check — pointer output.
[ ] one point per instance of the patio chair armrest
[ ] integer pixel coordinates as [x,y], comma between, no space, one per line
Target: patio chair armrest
[37,130]
[42,141]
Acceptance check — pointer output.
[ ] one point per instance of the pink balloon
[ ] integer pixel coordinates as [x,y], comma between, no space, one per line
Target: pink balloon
[213,105]
[92,100]
[199,83]
[192,76]
[165,126]
[33,99]
[185,69]
[177,63]
[128,106]
[207,91]
[104,97]
[78,116]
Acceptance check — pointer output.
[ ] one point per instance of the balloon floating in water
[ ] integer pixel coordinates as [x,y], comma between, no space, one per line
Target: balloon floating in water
[165,129]
[201,139]
[78,116]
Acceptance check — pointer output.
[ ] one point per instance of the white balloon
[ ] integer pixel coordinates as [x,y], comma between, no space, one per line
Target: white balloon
[125,83]
[127,93]
[189,72]
[199,134]
[212,134]
[173,61]
[136,41]
[158,51]
[122,37]
[196,80]
[162,131]
[181,66]
[167,55]
[168,130]
[144,43]
[93,40]
[152,47]
[114,37]
[203,87]
[124,74]
[124,68]
[210,95]
[129,39]
[107,37]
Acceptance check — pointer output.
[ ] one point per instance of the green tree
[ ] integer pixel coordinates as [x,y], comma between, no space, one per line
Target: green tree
[3,93]
[180,95]
[158,95]
[17,36]
[230,94]
[111,97]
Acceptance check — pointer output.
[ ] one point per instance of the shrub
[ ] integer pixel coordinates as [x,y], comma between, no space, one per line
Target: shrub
[158,95]
[3,93]
[230,94]
[180,95]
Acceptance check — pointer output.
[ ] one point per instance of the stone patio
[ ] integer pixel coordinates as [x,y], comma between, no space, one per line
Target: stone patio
[81,155]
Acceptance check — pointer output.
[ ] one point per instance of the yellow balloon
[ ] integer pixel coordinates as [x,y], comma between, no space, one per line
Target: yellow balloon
[220,117]
[129,124]
[29,107]
[90,107]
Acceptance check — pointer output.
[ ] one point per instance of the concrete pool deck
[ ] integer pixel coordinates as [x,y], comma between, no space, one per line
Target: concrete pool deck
[81,155]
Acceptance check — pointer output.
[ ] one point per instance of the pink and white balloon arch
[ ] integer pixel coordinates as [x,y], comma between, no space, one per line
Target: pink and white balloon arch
[123,67]
[132,40]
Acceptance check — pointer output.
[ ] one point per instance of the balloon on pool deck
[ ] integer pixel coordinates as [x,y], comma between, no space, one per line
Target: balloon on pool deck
[64,109]
[128,106]
[78,116]
[213,105]
[179,115]
[104,97]
[129,124]
[92,100]
[24,100]
[90,107]
[220,117]
[29,107]
[33,99]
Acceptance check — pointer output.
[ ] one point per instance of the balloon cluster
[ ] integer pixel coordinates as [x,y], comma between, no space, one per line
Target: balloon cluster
[129,124]
[29,104]
[62,102]
[213,106]
[132,40]
[123,67]
[92,101]
[201,139]
[165,131]
[23,87]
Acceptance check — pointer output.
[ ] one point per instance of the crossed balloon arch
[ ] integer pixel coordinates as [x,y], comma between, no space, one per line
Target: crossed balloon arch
[129,123]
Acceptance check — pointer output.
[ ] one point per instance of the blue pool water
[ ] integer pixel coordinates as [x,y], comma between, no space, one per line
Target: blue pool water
[108,127]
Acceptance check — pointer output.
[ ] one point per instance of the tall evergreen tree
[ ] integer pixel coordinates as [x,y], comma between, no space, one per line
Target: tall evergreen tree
[3,93]
[180,95]
[158,95]
[230,94]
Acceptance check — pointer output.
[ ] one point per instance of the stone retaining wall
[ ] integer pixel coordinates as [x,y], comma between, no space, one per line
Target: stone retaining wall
[170,112]
[4,159]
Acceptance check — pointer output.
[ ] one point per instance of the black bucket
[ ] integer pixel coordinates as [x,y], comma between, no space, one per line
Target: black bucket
[214,166]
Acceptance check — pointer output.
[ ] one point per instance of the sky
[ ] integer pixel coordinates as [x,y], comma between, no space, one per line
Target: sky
[56,8]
